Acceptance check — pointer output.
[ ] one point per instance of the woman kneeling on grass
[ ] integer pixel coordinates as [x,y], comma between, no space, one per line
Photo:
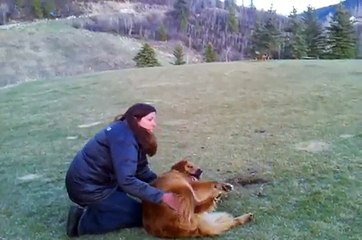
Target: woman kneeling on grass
[112,167]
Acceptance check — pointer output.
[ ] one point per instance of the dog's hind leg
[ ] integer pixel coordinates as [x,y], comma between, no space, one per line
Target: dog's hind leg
[216,223]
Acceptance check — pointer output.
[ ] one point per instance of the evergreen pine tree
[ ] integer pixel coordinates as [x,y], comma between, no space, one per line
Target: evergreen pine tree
[296,46]
[359,46]
[312,33]
[181,11]
[270,37]
[322,45]
[146,57]
[49,7]
[229,4]
[218,4]
[37,8]
[265,39]
[233,23]
[162,33]
[256,46]
[19,3]
[179,55]
[210,54]
[341,35]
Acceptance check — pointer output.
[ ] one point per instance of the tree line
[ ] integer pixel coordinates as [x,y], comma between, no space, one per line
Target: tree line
[305,37]
[238,32]
[146,56]
[233,32]
[20,10]
[300,36]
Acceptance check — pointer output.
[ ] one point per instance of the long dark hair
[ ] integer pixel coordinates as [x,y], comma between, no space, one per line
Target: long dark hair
[146,139]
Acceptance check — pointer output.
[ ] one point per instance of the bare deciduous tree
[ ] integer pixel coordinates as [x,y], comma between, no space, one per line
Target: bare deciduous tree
[4,12]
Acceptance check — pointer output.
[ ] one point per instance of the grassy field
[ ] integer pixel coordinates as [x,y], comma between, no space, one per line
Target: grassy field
[292,128]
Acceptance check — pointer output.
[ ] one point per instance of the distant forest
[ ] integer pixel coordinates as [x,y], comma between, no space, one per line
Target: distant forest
[234,32]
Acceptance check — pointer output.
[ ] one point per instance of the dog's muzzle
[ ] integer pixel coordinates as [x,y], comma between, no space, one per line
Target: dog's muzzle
[197,174]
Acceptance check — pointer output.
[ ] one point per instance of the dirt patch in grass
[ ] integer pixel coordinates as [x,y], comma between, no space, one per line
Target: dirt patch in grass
[313,146]
[72,137]
[87,125]
[251,182]
[29,177]
[356,73]
[247,180]
[346,136]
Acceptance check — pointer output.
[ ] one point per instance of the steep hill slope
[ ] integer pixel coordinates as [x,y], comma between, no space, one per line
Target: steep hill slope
[50,49]
[354,6]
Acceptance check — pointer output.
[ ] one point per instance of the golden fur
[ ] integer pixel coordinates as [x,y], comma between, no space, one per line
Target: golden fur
[198,199]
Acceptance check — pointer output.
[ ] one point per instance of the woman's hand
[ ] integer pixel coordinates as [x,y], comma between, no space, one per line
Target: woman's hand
[172,201]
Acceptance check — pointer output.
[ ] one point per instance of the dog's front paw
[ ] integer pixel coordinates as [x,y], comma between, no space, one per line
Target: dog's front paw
[217,199]
[227,187]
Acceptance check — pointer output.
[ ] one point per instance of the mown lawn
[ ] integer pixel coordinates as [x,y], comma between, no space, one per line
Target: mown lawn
[291,128]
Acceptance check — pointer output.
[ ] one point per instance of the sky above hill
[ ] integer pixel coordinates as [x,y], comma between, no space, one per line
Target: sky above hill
[284,7]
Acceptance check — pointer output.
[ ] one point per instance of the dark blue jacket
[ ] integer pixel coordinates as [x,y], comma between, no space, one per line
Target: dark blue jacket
[111,160]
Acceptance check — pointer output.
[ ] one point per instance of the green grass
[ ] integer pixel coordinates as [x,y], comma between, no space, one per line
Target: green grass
[212,113]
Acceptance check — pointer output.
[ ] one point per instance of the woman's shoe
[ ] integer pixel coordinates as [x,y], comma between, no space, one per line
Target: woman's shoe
[74,215]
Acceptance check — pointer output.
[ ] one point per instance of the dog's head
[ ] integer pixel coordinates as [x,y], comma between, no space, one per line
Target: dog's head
[187,167]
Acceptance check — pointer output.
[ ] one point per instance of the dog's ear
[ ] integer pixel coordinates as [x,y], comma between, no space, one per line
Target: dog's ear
[186,208]
[180,165]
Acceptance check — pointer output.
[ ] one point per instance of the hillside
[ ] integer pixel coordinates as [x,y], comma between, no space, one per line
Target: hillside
[107,34]
[50,49]
[207,21]
[354,6]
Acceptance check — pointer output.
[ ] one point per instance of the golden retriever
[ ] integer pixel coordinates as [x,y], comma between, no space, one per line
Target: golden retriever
[198,199]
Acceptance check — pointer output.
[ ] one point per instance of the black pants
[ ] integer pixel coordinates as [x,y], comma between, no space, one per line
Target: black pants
[115,212]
